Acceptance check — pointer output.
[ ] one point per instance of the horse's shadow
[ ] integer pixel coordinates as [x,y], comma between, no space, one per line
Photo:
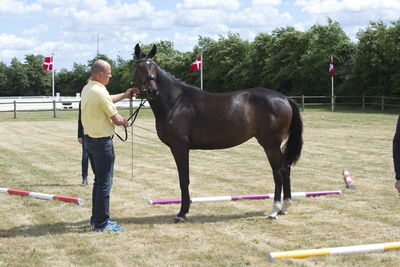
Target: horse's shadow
[84,227]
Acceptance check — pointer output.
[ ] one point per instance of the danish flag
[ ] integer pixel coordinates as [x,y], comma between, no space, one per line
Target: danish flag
[331,70]
[48,63]
[196,65]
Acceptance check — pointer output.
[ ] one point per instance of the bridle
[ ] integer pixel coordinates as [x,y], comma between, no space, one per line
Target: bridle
[148,78]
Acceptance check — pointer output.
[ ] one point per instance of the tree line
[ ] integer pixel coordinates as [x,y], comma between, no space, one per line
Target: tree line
[287,60]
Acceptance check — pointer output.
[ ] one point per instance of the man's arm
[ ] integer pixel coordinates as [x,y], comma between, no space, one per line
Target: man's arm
[127,94]
[80,127]
[117,119]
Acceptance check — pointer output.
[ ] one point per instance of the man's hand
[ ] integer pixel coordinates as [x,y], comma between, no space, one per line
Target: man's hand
[80,141]
[126,124]
[397,185]
[131,92]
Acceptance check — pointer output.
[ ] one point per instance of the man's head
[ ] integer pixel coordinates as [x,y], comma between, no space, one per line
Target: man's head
[101,72]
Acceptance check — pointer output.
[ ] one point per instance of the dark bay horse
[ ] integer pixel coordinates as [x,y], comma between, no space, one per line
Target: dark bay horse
[189,118]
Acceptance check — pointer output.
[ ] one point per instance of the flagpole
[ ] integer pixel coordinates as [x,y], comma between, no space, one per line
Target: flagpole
[52,74]
[201,72]
[333,93]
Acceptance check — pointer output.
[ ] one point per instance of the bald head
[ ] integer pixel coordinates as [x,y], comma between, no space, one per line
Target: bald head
[101,71]
[99,66]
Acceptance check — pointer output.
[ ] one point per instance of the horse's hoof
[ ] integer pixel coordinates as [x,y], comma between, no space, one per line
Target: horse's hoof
[281,212]
[179,219]
[271,217]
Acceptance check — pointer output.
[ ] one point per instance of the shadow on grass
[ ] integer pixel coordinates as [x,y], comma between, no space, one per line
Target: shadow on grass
[84,227]
[169,219]
[46,229]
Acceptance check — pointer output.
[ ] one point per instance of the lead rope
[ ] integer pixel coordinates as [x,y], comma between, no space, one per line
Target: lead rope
[133,118]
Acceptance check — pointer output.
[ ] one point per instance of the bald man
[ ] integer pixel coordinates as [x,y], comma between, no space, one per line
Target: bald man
[99,117]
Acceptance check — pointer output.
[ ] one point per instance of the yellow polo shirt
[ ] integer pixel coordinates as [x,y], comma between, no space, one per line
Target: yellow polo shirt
[96,109]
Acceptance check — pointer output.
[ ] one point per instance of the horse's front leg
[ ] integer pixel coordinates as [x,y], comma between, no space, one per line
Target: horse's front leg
[181,156]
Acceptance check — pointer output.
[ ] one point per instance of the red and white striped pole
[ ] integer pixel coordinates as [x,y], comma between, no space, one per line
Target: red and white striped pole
[347,179]
[75,200]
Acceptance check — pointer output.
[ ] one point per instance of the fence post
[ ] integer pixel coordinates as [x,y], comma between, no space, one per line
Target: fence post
[302,102]
[54,108]
[15,109]
[382,103]
[363,101]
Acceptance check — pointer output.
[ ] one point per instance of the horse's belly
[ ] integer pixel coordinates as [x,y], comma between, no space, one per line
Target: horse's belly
[217,140]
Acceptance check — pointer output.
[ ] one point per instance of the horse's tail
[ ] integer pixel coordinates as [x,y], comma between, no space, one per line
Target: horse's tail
[294,143]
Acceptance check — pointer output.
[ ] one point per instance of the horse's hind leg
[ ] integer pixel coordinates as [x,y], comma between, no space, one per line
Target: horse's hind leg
[181,157]
[287,194]
[280,173]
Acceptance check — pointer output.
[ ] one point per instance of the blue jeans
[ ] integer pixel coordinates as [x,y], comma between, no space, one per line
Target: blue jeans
[102,157]
[85,161]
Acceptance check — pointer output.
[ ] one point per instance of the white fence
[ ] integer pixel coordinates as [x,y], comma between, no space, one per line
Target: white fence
[32,103]
[14,104]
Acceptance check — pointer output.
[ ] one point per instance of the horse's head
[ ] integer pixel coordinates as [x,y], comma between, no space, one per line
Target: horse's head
[146,71]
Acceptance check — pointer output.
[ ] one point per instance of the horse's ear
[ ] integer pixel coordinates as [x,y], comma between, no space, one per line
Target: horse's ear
[137,51]
[152,52]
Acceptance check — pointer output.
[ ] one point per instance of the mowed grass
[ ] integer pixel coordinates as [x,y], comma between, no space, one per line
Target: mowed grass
[41,154]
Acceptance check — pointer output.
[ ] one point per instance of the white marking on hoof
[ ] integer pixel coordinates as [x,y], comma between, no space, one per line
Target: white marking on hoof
[276,207]
[179,219]
[286,204]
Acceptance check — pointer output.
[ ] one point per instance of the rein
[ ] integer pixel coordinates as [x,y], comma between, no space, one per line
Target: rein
[132,118]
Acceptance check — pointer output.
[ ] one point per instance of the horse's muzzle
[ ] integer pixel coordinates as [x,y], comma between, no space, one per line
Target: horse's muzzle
[152,93]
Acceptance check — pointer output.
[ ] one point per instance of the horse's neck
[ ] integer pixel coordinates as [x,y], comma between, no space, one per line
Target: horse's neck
[170,91]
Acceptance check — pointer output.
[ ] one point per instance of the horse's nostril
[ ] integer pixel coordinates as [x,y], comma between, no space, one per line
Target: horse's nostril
[153,92]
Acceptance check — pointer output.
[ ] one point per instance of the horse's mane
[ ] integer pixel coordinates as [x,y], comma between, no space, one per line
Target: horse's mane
[178,82]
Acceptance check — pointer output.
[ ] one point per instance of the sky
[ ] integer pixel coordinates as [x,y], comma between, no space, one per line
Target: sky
[74,29]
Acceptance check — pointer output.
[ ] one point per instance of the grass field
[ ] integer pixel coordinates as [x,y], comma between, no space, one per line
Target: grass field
[41,154]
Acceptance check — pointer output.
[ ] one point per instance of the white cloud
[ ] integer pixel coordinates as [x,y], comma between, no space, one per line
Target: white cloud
[13,46]
[267,18]
[209,4]
[335,6]
[10,41]
[353,15]
[15,7]
[36,31]
[266,2]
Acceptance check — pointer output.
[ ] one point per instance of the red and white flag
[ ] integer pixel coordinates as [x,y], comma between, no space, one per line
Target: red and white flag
[48,63]
[331,69]
[196,65]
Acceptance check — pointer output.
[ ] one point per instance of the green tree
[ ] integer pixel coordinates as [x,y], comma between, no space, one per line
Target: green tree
[40,81]
[258,55]
[4,80]
[224,65]
[376,61]
[282,69]
[19,82]
[324,41]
